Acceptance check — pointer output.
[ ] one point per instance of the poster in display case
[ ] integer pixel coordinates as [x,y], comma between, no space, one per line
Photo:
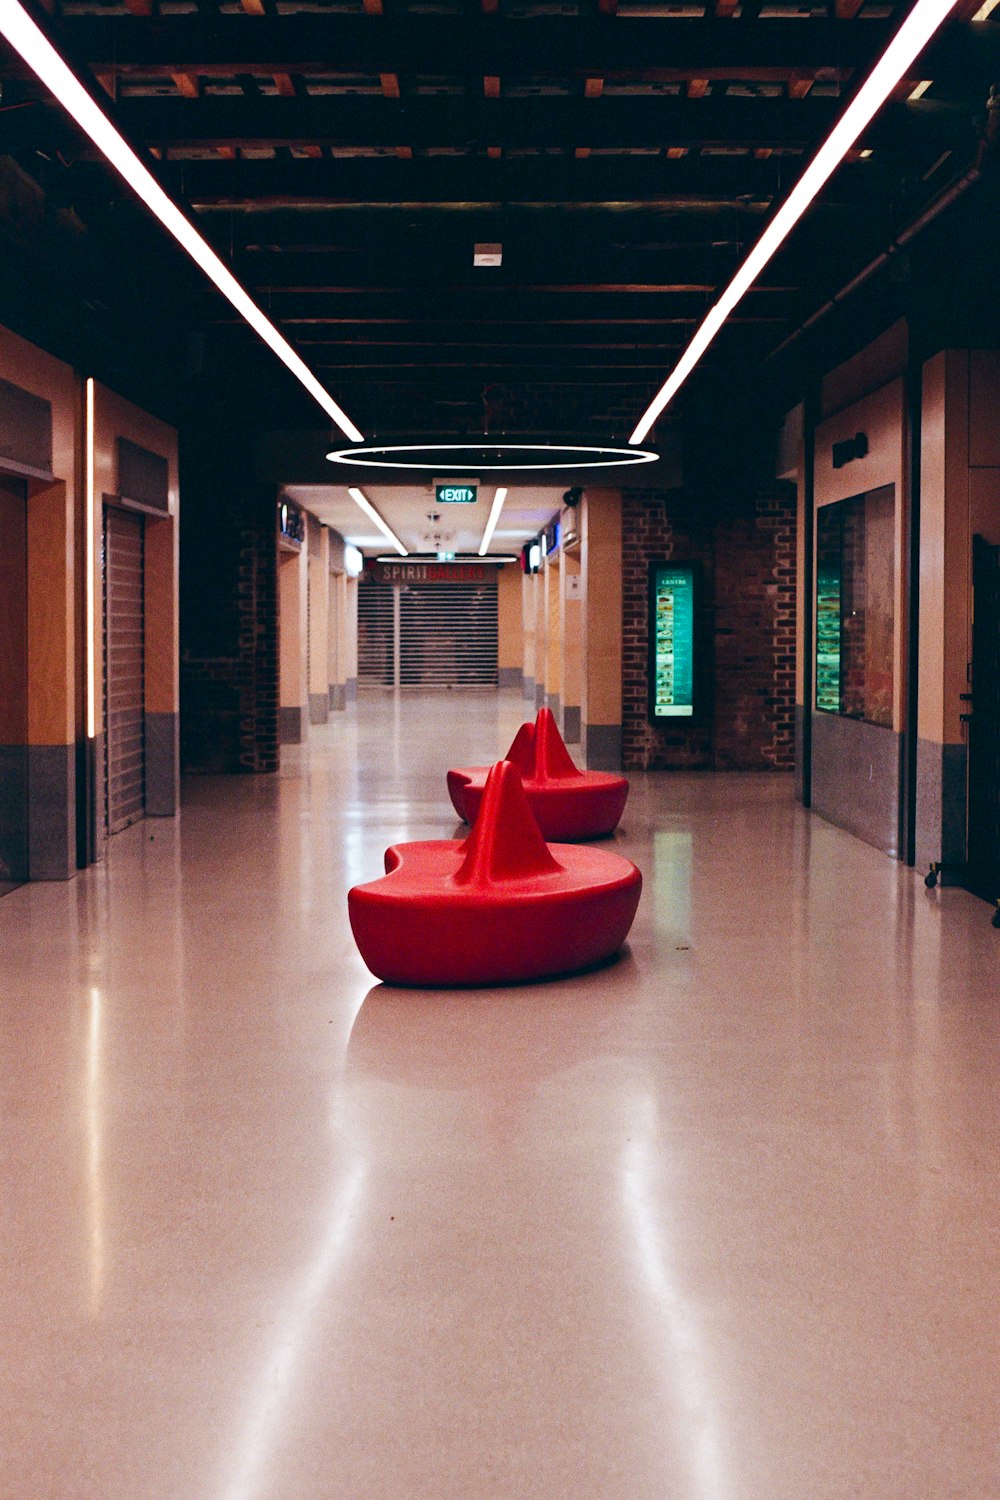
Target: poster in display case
[672,641]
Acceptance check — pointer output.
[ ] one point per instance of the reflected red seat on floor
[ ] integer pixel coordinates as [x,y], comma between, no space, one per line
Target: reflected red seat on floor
[569,804]
[501,907]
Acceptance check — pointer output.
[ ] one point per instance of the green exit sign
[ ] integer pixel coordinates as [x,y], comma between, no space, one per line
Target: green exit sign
[455,494]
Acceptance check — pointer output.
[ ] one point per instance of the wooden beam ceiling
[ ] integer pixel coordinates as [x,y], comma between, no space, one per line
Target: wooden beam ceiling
[625,49]
[346,164]
[626,124]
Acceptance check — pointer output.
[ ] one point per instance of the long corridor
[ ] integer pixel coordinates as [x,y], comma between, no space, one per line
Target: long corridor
[717,1222]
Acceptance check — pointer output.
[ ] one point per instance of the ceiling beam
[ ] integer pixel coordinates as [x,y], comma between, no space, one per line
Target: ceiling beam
[626,183]
[547,46]
[625,48]
[616,123]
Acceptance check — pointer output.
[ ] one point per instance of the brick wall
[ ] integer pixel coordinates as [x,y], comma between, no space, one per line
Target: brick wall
[746,625]
[229,628]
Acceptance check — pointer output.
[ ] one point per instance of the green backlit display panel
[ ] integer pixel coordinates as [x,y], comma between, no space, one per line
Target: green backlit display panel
[672,647]
[828,616]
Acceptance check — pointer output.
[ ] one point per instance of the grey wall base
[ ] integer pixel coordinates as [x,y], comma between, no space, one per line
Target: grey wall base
[509,677]
[602,747]
[855,778]
[162,765]
[571,724]
[319,708]
[51,812]
[800,752]
[528,689]
[291,726]
[13,813]
[351,690]
[553,705]
[941,805]
[336,698]
[539,694]
[37,812]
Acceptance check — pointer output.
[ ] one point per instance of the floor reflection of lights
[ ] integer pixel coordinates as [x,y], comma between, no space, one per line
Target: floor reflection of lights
[95,1164]
[691,1394]
[272,1386]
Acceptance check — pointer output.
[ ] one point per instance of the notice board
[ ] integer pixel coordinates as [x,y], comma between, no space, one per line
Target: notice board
[673,665]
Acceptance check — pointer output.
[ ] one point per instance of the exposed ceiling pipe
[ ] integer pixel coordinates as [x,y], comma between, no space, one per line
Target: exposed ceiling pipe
[948,195]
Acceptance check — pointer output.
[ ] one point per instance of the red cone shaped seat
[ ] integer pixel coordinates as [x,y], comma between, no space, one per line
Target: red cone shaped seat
[569,804]
[502,907]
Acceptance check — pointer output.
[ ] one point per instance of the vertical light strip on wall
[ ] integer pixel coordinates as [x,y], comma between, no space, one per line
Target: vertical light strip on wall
[909,41]
[491,524]
[88,552]
[31,43]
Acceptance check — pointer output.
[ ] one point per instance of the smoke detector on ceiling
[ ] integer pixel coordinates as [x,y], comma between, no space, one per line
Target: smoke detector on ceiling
[487,255]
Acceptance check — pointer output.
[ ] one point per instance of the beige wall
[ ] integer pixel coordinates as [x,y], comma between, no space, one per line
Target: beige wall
[54,702]
[510,642]
[881,416]
[334,650]
[601,567]
[553,643]
[351,631]
[292,574]
[115,417]
[960,497]
[59,683]
[571,640]
[529,607]
[342,649]
[319,619]
[52,635]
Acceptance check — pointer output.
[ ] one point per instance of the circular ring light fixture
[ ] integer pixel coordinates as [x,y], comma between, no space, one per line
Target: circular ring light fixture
[489,455]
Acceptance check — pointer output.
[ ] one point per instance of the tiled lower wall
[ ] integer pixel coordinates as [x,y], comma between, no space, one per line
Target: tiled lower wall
[748,624]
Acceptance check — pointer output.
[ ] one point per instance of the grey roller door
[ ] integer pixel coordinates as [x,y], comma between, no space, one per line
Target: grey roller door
[445,634]
[448,634]
[124,669]
[375,633]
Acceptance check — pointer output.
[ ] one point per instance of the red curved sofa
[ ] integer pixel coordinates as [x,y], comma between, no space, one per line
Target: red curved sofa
[569,804]
[501,907]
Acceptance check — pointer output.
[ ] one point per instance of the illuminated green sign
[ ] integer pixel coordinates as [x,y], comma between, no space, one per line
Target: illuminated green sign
[455,494]
[671,625]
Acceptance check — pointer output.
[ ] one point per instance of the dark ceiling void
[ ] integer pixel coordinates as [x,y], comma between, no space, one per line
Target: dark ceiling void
[345,160]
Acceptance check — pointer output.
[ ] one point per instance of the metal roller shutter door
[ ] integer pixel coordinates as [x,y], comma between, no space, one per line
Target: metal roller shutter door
[447,634]
[375,606]
[124,669]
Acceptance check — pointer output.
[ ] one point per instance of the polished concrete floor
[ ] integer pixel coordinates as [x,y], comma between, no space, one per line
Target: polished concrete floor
[719,1222]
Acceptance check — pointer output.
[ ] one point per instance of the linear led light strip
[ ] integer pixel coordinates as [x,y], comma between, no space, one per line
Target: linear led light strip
[491,524]
[88,471]
[373,515]
[40,55]
[909,41]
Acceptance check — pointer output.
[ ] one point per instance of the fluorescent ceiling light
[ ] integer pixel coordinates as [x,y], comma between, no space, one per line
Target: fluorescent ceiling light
[38,52]
[909,41]
[920,89]
[491,524]
[986,10]
[373,515]
[89,481]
